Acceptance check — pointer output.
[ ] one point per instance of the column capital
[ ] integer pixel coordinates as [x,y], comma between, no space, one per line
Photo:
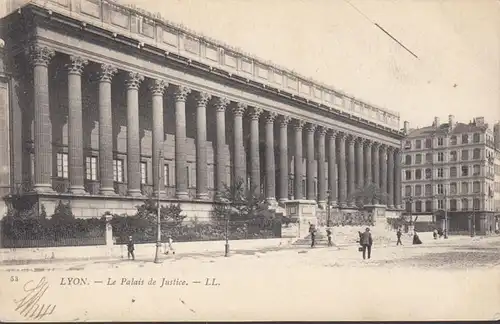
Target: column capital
[270,117]
[40,55]
[158,87]
[369,143]
[284,120]
[134,80]
[342,136]
[202,98]
[351,139]
[298,124]
[255,112]
[76,65]
[332,133]
[391,149]
[181,92]
[310,127]
[322,130]
[239,109]
[360,140]
[221,103]
[375,145]
[107,72]
[383,147]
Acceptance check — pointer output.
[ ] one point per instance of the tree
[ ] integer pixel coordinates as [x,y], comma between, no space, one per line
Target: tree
[170,214]
[369,194]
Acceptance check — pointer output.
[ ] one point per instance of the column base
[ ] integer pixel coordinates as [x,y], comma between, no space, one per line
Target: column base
[134,193]
[78,190]
[282,201]
[272,201]
[182,195]
[202,196]
[390,207]
[43,189]
[107,192]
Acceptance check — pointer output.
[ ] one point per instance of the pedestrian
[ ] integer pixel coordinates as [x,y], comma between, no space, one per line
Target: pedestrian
[130,248]
[435,234]
[312,231]
[170,245]
[398,234]
[366,242]
[440,232]
[329,236]
[416,239]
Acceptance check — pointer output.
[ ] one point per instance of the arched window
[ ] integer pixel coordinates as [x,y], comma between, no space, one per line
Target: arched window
[408,159]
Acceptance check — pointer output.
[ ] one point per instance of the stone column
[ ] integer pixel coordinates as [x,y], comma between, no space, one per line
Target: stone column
[311,128]
[390,177]
[75,125]
[106,130]
[284,120]
[332,169]
[397,181]
[270,166]
[254,148]
[239,172]
[181,185]
[220,142]
[201,145]
[351,173]
[321,166]
[376,167]
[297,164]
[383,169]
[342,170]
[40,57]
[157,88]
[368,162]
[133,143]
[360,174]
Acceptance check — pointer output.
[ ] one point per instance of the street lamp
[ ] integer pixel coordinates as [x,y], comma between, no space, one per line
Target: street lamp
[473,233]
[329,208]
[410,200]
[445,215]
[158,213]
[226,247]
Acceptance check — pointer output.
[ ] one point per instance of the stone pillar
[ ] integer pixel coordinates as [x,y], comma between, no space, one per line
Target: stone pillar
[351,172]
[390,177]
[397,180]
[360,174]
[342,170]
[297,174]
[157,88]
[181,185]
[332,169]
[311,128]
[220,142]
[133,143]
[201,146]
[239,172]
[321,166]
[383,169]
[270,166]
[284,120]
[40,57]
[254,148]
[368,162]
[75,125]
[376,167]
[106,130]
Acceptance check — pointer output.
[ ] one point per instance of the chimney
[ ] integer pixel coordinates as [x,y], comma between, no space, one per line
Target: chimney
[406,127]
[451,121]
[436,122]
[479,121]
[496,135]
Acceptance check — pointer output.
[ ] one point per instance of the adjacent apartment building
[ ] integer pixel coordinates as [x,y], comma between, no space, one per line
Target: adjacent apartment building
[452,170]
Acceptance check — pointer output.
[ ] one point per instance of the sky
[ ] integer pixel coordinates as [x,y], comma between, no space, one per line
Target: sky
[457,43]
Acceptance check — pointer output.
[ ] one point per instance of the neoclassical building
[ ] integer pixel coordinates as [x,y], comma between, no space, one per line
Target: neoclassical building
[103,105]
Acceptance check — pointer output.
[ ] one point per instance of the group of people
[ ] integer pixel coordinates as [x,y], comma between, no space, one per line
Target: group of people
[166,249]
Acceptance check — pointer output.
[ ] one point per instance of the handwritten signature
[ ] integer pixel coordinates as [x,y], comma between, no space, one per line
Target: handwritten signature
[29,305]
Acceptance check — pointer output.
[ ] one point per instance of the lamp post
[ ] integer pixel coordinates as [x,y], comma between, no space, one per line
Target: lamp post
[329,208]
[445,216]
[158,218]
[226,246]
[473,233]
[410,200]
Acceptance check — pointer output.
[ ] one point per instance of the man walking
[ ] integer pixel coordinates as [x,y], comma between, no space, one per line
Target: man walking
[398,234]
[312,231]
[130,248]
[329,236]
[366,243]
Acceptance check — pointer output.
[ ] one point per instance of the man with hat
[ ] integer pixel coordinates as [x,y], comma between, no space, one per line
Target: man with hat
[366,242]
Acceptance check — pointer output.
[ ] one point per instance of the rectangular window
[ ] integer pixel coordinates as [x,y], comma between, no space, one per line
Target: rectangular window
[476,170]
[166,175]
[91,167]
[465,155]
[453,188]
[428,190]
[144,172]
[465,139]
[428,158]
[440,157]
[408,175]
[428,173]
[428,206]
[418,174]
[453,156]
[465,188]
[476,187]
[440,141]
[440,189]
[418,159]
[418,190]
[440,204]
[465,171]
[62,165]
[440,173]
[453,172]
[118,170]
[428,143]
[408,145]
[418,144]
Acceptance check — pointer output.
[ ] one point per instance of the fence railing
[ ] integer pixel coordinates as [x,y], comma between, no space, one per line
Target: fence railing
[25,241]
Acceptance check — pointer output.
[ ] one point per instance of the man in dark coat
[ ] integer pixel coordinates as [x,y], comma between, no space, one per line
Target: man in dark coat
[398,234]
[130,248]
[312,231]
[366,242]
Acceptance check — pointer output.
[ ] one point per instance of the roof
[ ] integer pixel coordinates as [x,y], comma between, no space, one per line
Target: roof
[443,129]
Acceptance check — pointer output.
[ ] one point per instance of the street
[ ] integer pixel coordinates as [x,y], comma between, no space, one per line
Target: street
[453,280]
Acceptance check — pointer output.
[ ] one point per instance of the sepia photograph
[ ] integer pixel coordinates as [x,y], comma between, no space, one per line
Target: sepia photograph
[249,160]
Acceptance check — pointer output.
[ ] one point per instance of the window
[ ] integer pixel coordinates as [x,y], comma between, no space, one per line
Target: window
[453,156]
[408,159]
[476,187]
[476,138]
[91,167]
[440,189]
[428,190]
[418,206]
[166,175]
[475,204]
[465,155]
[418,174]
[453,172]
[465,188]
[465,139]
[428,158]
[407,191]
[453,188]
[62,165]
[408,175]
[428,206]
[453,204]
[440,204]
[440,141]
[465,204]
[418,190]
[418,144]
[453,140]
[440,173]
[144,173]
[465,171]
[408,206]
[418,159]
[428,143]
[118,170]
[408,145]
[476,154]
[476,170]
[428,173]
[440,157]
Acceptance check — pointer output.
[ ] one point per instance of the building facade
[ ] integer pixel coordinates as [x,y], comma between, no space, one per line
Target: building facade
[451,167]
[104,104]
